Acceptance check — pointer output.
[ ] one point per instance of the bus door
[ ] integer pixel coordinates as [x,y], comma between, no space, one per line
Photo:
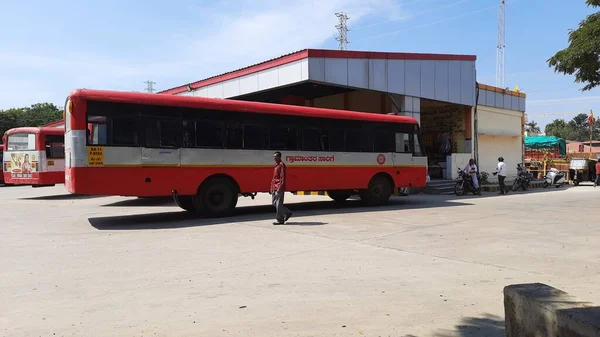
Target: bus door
[162,138]
[403,154]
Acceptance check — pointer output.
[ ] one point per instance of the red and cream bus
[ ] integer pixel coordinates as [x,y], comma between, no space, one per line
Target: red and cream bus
[2,168]
[207,152]
[34,156]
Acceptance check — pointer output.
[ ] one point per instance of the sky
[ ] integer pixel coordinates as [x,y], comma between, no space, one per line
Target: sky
[48,48]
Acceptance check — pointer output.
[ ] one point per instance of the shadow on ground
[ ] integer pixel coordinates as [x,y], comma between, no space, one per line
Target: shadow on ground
[181,219]
[485,326]
[67,196]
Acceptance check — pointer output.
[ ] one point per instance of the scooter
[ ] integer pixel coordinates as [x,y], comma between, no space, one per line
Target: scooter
[554,178]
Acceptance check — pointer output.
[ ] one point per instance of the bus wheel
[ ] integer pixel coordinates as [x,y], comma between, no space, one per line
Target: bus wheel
[378,192]
[186,202]
[217,197]
[339,195]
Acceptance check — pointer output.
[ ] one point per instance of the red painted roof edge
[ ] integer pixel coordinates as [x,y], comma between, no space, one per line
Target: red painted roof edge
[55,123]
[288,58]
[302,54]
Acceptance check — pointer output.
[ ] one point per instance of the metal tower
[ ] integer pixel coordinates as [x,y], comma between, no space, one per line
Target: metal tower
[342,28]
[501,46]
[150,86]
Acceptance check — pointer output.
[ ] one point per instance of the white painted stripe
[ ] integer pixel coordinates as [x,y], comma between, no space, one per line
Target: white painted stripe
[136,156]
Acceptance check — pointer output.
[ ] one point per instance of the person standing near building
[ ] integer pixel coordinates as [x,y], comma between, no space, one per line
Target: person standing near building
[278,185]
[597,182]
[501,172]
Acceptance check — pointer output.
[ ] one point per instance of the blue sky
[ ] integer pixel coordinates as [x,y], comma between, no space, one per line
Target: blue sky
[48,48]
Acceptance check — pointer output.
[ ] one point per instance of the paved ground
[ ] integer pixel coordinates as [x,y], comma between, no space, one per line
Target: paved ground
[424,266]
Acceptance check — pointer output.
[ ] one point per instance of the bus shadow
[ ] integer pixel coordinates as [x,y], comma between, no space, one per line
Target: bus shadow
[64,197]
[143,202]
[182,219]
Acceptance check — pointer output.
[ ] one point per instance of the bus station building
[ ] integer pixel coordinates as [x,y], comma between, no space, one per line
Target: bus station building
[459,118]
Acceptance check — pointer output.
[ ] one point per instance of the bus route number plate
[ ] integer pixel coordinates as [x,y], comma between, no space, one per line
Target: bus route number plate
[95,156]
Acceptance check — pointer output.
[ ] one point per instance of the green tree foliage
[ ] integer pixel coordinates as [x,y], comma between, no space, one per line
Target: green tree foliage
[576,129]
[532,127]
[35,115]
[582,56]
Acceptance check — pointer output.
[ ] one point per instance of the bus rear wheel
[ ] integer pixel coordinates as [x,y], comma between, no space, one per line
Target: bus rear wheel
[378,192]
[186,202]
[217,197]
[339,195]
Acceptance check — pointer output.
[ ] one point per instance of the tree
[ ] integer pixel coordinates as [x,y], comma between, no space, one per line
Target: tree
[582,56]
[577,129]
[34,115]
[559,128]
[532,127]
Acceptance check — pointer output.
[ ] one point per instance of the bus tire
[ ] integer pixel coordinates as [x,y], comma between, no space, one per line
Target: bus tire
[186,202]
[339,195]
[378,192]
[217,197]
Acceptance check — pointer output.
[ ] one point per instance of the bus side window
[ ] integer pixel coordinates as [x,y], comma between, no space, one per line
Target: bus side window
[403,142]
[283,138]
[384,141]
[55,147]
[189,133]
[353,143]
[124,131]
[417,145]
[209,134]
[311,139]
[233,135]
[336,140]
[253,137]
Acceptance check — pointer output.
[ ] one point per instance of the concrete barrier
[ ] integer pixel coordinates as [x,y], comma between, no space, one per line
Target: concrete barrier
[536,310]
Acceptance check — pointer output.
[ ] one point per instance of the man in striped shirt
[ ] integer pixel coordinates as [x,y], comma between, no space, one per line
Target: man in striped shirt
[278,184]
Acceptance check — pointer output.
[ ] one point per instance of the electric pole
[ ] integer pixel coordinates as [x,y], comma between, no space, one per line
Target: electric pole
[342,28]
[150,86]
[501,46]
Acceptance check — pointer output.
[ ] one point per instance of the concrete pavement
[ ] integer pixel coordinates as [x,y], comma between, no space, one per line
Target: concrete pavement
[423,266]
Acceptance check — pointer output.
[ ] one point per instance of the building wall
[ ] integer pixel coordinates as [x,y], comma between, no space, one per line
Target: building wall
[492,147]
[447,81]
[499,135]
[498,122]
[500,98]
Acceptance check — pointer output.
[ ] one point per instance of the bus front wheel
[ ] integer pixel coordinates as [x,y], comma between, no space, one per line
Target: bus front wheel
[378,192]
[339,195]
[186,202]
[217,197]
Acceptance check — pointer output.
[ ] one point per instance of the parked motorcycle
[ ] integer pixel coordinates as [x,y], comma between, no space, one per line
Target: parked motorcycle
[523,180]
[464,184]
[554,178]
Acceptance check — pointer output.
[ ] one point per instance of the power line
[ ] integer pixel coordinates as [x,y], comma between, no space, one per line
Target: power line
[413,15]
[429,24]
[150,86]
[434,22]
[342,28]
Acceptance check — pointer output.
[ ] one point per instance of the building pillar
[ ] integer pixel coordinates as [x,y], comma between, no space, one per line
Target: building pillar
[409,106]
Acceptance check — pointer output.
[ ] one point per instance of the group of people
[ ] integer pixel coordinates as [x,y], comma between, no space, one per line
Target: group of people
[471,169]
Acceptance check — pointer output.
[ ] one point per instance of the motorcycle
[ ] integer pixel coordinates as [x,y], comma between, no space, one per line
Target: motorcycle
[523,180]
[554,178]
[464,184]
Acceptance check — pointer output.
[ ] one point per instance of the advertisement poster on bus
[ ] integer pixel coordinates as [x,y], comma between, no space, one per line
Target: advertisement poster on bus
[22,164]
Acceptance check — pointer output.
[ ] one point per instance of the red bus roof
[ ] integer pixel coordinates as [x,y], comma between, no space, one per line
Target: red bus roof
[36,130]
[234,105]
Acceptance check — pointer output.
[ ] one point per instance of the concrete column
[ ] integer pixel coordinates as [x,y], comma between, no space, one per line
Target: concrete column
[409,106]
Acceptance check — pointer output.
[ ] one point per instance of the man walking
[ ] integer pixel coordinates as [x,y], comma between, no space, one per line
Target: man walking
[597,182]
[278,184]
[501,172]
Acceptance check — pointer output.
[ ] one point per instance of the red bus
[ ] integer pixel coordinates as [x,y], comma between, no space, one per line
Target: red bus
[207,152]
[2,168]
[34,156]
